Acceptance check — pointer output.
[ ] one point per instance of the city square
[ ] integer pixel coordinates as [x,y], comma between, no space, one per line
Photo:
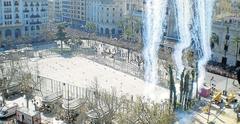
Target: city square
[119,61]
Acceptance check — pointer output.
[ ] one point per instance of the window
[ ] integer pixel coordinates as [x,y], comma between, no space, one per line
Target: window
[16,3]
[7,3]
[32,28]
[8,16]
[25,4]
[37,27]
[16,9]
[26,28]
[127,6]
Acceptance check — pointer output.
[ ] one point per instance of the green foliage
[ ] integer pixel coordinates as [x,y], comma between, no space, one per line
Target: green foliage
[61,35]
[128,32]
[131,27]
[91,27]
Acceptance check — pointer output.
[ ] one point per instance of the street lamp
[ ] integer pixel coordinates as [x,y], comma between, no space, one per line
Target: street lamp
[68,112]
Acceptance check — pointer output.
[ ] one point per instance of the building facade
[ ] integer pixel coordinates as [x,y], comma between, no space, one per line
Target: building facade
[22,18]
[226,51]
[58,10]
[74,12]
[51,10]
[106,14]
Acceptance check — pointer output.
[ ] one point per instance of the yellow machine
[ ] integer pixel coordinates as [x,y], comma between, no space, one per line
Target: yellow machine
[217,97]
[230,98]
[206,109]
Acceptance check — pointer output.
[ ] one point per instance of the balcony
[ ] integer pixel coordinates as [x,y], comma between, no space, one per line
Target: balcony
[43,10]
[25,11]
[16,3]
[7,11]
[35,23]
[35,16]
[45,4]
[7,4]
[11,25]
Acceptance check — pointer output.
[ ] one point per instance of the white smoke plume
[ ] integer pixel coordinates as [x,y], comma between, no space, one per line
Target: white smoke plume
[155,13]
[205,10]
[184,20]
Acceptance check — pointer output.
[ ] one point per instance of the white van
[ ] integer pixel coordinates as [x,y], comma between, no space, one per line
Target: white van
[8,110]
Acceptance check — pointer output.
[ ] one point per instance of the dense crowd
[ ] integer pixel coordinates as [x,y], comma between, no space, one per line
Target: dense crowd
[223,70]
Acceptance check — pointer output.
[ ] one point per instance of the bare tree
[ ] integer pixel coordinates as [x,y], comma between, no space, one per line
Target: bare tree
[104,104]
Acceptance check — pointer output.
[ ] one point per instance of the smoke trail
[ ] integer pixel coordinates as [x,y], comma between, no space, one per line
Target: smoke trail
[153,32]
[155,12]
[184,21]
[205,10]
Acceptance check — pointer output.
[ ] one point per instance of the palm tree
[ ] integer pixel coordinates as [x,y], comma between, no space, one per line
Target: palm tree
[131,27]
[236,41]
[91,28]
[61,35]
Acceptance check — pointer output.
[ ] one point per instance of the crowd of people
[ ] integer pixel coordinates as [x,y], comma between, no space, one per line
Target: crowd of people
[223,70]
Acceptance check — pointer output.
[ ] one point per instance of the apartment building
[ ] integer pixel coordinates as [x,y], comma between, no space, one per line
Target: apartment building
[57,4]
[22,18]
[74,12]
[106,14]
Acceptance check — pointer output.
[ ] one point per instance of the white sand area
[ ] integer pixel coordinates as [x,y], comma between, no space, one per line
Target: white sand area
[83,72]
